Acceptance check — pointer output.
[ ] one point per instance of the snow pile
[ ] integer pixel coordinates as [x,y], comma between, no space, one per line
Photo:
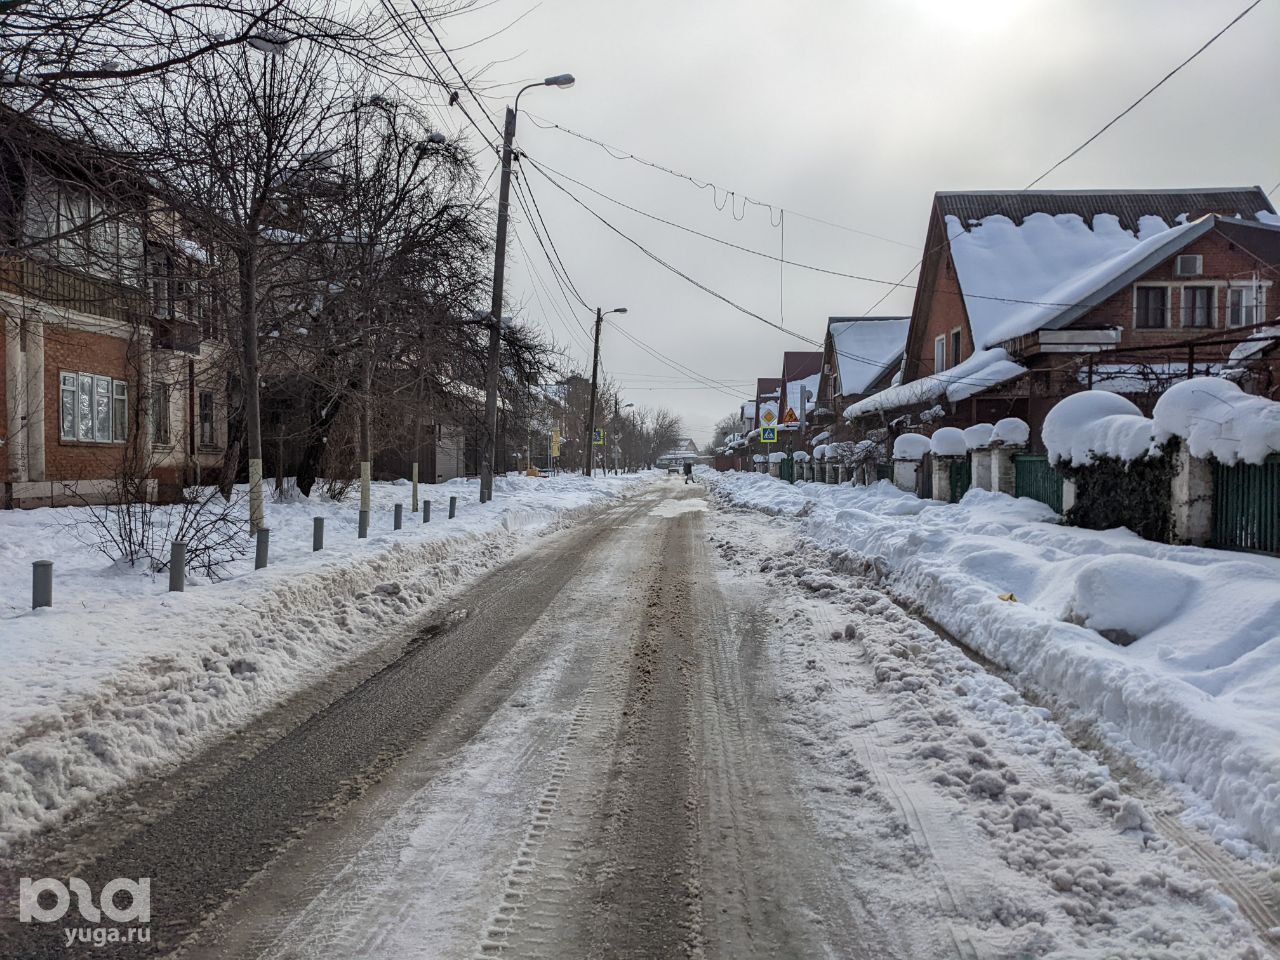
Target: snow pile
[978,436]
[822,437]
[777,457]
[757,458]
[910,446]
[1218,419]
[1097,423]
[865,348]
[120,676]
[801,456]
[983,370]
[948,442]
[1017,278]
[820,452]
[1172,652]
[1010,432]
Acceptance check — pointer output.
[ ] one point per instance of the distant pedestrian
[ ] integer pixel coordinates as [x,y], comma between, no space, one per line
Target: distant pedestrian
[688,471]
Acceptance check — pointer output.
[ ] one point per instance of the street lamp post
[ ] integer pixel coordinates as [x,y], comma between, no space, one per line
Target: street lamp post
[617,430]
[595,371]
[563,81]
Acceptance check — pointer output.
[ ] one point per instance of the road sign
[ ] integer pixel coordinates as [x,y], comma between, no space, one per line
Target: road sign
[767,418]
[790,417]
[597,438]
[555,442]
[768,434]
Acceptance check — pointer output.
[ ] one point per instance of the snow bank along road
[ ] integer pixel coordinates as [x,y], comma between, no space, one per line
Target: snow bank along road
[668,731]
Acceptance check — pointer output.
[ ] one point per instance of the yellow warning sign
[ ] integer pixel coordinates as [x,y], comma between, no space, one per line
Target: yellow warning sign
[790,416]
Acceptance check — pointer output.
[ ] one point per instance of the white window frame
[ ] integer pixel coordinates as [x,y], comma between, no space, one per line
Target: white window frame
[1168,304]
[940,353]
[161,415]
[1213,305]
[212,442]
[99,408]
[955,344]
[1257,292]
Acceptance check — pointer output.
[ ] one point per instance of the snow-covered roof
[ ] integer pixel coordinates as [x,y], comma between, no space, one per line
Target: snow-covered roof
[983,370]
[865,348]
[1258,341]
[793,391]
[1049,270]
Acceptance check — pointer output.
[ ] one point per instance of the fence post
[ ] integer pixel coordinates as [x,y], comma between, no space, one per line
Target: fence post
[177,566]
[453,506]
[264,543]
[1004,475]
[980,464]
[317,534]
[398,520]
[1191,492]
[362,529]
[904,474]
[426,511]
[41,584]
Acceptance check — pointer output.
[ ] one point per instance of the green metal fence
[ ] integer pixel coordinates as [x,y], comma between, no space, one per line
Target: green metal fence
[924,478]
[1246,506]
[884,471]
[1034,478]
[961,479]
[787,470]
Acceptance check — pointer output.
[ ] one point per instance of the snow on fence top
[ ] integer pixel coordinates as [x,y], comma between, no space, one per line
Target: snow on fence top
[978,435]
[1011,431]
[758,458]
[820,438]
[983,370]
[1096,423]
[1218,419]
[801,456]
[1214,416]
[910,446]
[777,457]
[948,442]
[820,452]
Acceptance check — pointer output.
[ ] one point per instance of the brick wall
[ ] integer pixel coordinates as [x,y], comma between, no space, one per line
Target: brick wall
[945,312]
[75,351]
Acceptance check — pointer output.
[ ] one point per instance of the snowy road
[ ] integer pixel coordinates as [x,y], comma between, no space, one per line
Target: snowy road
[669,731]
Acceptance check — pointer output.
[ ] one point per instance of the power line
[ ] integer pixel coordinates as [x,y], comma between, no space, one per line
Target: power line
[1161,82]
[461,76]
[619,154]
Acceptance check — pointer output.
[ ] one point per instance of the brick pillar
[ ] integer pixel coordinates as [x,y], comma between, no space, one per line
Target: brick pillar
[1192,495]
[775,469]
[904,474]
[942,477]
[841,473]
[1002,475]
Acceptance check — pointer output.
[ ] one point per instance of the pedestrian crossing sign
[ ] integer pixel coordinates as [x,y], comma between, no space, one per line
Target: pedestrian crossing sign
[768,434]
[597,437]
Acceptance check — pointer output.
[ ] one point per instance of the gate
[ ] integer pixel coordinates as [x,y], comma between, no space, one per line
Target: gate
[787,469]
[924,478]
[884,471]
[961,478]
[1246,506]
[1034,478]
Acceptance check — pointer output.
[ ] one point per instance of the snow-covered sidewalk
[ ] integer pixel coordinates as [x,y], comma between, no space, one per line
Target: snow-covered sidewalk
[120,675]
[1172,652]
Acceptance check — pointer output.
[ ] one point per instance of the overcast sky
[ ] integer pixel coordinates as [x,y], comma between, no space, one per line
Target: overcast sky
[852,111]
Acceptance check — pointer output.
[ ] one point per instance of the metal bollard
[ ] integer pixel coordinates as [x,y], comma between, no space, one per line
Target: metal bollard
[177,567]
[264,543]
[398,521]
[317,534]
[453,506]
[426,511]
[363,530]
[41,584]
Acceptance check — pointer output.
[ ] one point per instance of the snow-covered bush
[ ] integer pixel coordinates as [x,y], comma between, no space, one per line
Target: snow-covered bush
[1218,419]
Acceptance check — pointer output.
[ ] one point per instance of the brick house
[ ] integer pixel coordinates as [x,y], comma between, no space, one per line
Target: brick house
[109,348]
[860,356]
[801,370]
[1025,297]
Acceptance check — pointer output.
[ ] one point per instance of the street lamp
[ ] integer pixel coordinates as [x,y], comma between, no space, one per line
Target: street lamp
[617,431]
[564,81]
[595,370]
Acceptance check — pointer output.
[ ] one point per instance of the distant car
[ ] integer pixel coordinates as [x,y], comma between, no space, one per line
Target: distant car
[672,468]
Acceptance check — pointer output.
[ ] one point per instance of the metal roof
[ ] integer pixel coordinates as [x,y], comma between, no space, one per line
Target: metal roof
[1129,206]
[798,364]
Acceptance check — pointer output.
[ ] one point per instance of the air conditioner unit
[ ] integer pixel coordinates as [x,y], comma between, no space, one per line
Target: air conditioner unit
[1188,265]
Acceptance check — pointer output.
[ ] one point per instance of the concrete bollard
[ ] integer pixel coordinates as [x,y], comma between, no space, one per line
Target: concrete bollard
[398,519]
[264,544]
[177,566]
[426,511]
[317,534]
[453,506]
[362,530]
[41,584]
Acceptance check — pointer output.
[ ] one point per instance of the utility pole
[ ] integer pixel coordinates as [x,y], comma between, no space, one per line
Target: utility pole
[563,81]
[591,407]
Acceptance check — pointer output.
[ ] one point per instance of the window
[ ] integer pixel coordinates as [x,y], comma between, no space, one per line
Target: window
[1245,305]
[955,346]
[1151,305]
[1197,306]
[208,430]
[158,280]
[939,354]
[160,413]
[93,409]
